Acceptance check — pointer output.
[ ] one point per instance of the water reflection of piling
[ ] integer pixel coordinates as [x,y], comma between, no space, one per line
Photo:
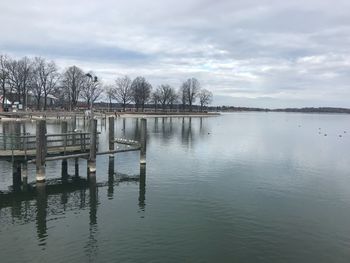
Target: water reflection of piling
[16,176]
[24,174]
[93,200]
[110,190]
[76,167]
[186,131]
[124,127]
[64,174]
[142,187]
[41,212]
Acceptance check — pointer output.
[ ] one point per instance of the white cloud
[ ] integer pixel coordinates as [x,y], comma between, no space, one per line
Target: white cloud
[259,51]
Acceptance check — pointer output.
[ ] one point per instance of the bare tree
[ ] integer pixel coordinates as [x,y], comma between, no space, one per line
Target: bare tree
[20,74]
[44,80]
[173,97]
[4,78]
[141,91]
[52,79]
[155,99]
[72,81]
[205,98]
[91,89]
[109,91]
[164,94]
[190,89]
[36,81]
[122,91]
[182,95]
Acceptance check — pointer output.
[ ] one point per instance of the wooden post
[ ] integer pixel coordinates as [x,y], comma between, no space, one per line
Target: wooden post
[41,147]
[64,130]
[143,138]
[93,147]
[74,127]
[111,134]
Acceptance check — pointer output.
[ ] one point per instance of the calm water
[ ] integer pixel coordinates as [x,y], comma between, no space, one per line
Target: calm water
[243,187]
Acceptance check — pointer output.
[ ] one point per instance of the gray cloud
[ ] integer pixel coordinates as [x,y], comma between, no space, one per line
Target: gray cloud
[250,52]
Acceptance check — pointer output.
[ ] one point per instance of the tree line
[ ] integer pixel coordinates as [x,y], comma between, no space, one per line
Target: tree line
[39,78]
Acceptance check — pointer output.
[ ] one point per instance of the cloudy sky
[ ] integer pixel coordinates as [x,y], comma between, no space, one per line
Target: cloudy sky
[247,52]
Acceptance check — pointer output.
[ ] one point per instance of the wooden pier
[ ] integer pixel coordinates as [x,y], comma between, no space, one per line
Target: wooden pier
[22,149]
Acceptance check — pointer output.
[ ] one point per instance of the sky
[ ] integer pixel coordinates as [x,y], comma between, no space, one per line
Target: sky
[254,53]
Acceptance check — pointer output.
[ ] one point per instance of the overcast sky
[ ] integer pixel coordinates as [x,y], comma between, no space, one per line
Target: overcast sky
[247,52]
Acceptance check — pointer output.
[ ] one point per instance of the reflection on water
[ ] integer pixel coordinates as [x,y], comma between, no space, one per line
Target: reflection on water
[243,187]
[57,196]
[142,188]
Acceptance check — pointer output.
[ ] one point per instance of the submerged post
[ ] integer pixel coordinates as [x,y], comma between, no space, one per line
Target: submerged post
[41,145]
[111,134]
[93,147]
[143,138]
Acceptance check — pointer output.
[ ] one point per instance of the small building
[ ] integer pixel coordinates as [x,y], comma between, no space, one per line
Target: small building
[7,103]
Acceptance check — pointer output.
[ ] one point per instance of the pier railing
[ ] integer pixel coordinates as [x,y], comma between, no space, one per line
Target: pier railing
[27,142]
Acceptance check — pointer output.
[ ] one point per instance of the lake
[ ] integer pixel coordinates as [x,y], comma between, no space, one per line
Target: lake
[241,187]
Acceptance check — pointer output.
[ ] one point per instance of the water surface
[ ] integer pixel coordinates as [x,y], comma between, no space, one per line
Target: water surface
[242,187]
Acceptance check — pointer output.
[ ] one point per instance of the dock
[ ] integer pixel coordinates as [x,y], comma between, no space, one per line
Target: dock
[42,147]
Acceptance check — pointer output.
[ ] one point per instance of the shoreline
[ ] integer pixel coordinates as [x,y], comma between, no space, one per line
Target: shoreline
[59,115]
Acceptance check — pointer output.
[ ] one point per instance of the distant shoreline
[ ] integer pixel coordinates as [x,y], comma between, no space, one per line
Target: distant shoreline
[168,114]
[296,110]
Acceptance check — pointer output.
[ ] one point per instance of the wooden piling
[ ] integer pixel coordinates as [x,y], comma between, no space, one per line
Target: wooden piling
[41,148]
[143,138]
[74,127]
[64,130]
[111,134]
[93,147]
